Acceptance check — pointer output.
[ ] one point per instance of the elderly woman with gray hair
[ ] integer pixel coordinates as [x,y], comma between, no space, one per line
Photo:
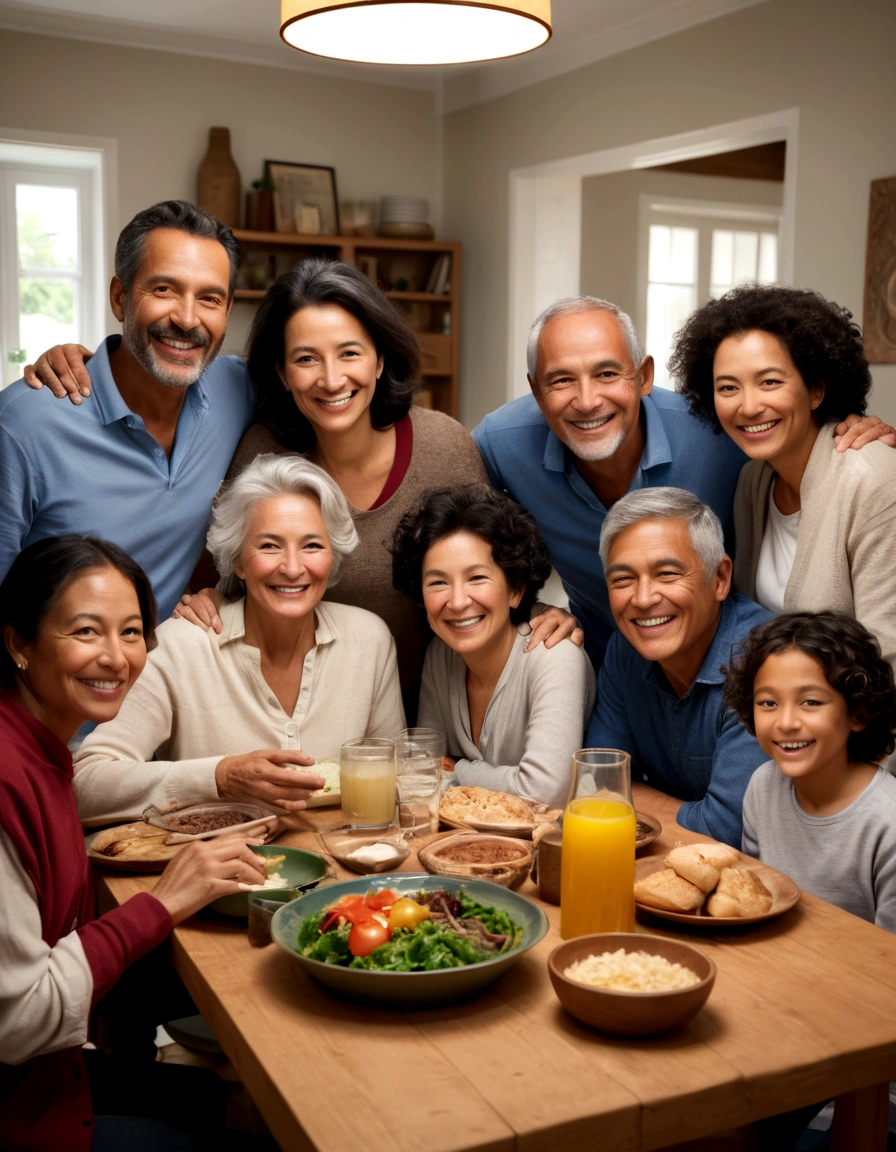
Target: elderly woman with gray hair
[288,680]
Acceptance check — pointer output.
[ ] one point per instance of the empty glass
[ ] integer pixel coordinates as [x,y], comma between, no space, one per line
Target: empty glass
[419,766]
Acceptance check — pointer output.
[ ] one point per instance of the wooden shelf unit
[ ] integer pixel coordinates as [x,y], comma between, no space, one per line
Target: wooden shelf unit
[434,316]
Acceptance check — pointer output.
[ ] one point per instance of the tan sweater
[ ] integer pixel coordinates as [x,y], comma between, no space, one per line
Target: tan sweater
[443,453]
[846,549]
[202,697]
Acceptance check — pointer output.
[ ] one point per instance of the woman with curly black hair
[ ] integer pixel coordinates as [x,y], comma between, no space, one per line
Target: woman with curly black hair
[776,368]
[475,561]
[820,699]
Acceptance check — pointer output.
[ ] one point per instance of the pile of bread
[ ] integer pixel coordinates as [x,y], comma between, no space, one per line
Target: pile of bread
[708,877]
[484,806]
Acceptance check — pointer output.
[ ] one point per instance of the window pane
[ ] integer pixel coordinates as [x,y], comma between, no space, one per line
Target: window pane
[48,314]
[673,255]
[768,258]
[746,251]
[722,256]
[47,219]
[668,306]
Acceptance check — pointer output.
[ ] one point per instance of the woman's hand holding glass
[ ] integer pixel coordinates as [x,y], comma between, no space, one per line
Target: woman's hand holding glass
[264,775]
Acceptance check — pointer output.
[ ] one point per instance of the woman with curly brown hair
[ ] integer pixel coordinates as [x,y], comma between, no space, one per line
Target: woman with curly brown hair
[776,368]
[820,699]
[474,559]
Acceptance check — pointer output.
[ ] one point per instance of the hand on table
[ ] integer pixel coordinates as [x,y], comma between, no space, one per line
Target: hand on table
[206,869]
[62,371]
[553,625]
[262,776]
[201,608]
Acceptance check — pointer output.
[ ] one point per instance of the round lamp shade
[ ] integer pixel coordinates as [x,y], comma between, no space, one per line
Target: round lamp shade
[415,31]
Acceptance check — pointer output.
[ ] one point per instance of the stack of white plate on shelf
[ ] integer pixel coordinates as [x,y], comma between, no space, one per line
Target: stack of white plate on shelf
[406,216]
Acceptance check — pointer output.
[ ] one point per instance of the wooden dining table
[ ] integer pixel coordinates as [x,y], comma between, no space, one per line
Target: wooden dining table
[803,1009]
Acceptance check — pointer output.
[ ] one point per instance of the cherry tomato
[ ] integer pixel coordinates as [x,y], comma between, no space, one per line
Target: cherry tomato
[366,936]
[381,900]
[407,913]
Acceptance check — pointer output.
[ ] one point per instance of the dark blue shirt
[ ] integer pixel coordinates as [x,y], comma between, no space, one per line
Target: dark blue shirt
[95,468]
[524,458]
[692,747]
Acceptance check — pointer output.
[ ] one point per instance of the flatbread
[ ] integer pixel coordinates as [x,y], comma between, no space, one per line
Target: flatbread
[485,807]
[136,842]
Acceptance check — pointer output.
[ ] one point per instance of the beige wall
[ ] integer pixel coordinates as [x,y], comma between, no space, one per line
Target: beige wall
[610,208]
[160,105]
[831,59]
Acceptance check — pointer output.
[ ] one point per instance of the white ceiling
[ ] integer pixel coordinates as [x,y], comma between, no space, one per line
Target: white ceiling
[584,31]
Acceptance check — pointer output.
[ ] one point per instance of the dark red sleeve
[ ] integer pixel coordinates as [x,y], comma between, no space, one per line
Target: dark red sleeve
[117,939]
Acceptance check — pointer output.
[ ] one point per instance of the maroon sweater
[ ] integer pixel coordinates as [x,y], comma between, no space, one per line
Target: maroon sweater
[45,1102]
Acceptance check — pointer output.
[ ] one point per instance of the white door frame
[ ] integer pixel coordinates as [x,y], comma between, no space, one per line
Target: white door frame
[545,214]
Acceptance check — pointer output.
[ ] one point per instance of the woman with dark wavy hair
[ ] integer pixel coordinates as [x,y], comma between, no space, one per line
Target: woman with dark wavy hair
[474,559]
[776,368]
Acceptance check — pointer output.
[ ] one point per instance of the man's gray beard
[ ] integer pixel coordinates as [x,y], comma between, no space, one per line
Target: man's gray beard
[138,344]
[592,453]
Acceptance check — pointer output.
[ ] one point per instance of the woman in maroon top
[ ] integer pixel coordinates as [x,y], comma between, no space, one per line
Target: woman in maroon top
[77,616]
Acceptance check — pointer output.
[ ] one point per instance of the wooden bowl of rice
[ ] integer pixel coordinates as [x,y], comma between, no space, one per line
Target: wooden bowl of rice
[631,983]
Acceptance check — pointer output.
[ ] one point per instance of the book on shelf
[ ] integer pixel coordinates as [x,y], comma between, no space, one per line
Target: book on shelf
[438,276]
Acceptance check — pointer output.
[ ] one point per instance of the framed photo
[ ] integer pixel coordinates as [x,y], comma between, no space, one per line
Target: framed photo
[304,197]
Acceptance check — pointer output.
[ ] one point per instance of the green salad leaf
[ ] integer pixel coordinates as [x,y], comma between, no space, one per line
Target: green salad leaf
[328,947]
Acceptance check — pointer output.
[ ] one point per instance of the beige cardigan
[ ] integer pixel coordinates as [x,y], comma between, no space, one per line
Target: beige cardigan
[846,548]
[202,697]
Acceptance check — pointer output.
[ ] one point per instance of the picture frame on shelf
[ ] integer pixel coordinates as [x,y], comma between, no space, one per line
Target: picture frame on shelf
[304,197]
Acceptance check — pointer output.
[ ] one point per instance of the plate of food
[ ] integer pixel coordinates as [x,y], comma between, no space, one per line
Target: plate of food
[134,847]
[330,793]
[503,860]
[647,829]
[481,810]
[711,886]
[284,868]
[217,818]
[408,940]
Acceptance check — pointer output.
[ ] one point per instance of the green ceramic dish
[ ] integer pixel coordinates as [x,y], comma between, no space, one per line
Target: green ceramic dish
[408,989]
[301,869]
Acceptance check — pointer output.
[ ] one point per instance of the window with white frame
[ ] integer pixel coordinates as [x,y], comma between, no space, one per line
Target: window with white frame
[692,252]
[51,251]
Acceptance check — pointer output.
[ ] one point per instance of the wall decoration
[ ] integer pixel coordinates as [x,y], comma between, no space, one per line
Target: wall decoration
[304,197]
[879,328]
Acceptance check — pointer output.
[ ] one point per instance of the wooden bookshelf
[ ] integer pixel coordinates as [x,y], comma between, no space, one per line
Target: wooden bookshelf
[402,268]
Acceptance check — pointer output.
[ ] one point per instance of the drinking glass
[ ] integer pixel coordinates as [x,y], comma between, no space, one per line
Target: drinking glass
[419,766]
[597,868]
[367,782]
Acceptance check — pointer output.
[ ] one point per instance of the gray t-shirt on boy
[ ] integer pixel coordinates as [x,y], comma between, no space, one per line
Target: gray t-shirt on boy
[848,859]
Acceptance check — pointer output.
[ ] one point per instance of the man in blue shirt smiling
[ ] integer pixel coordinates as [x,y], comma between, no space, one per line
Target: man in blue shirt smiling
[660,687]
[139,462]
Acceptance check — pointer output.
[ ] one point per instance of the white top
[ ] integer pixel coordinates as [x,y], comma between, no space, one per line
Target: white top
[202,697]
[533,724]
[776,555]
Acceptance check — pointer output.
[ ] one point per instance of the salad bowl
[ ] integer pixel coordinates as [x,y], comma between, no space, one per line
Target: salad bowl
[409,990]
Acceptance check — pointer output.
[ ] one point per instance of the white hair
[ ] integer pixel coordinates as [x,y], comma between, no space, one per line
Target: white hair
[704,528]
[268,476]
[570,306]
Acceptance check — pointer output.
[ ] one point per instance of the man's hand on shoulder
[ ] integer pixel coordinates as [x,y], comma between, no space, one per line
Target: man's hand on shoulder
[62,370]
[857,431]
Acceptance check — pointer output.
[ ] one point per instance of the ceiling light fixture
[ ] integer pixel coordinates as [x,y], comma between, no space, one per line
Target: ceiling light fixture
[415,31]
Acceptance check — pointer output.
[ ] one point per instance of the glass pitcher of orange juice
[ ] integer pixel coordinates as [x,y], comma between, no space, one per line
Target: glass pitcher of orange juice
[597,866]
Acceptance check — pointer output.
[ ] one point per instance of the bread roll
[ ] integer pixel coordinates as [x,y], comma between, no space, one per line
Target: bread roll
[740,893]
[668,890]
[690,864]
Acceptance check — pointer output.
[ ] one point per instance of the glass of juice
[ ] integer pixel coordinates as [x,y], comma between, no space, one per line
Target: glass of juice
[367,782]
[597,867]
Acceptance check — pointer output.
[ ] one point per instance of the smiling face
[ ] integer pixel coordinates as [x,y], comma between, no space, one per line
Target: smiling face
[801,722]
[587,387]
[174,315]
[660,597]
[88,651]
[466,596]
[761,399]
[286,557]
[330,366]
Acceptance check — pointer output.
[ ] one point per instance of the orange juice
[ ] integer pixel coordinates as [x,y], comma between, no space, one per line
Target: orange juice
[597,867]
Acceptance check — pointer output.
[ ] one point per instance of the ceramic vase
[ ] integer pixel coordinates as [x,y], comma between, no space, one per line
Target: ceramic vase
[218,183]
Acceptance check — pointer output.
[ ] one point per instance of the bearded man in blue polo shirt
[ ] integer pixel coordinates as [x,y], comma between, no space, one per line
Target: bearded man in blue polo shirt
[139,462]
[661,683]
[594,429]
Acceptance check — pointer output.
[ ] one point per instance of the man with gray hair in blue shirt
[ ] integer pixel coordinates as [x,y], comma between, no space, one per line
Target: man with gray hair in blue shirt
[593,429]
[139,462]
[660,688]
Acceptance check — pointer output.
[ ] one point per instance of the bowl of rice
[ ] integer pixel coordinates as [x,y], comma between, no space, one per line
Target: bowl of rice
[630,983]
